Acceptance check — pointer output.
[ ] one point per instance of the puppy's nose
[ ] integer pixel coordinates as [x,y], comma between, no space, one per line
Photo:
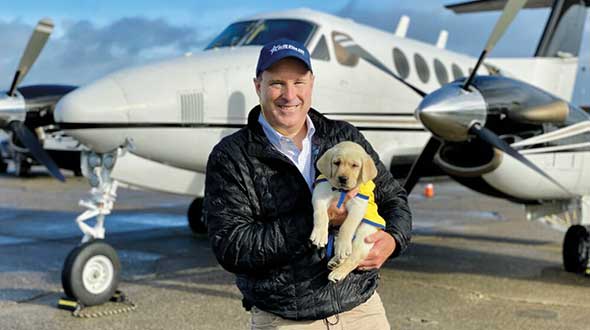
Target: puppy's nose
[342,179]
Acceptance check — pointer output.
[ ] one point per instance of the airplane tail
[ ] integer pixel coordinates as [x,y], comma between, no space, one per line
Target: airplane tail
[554,65]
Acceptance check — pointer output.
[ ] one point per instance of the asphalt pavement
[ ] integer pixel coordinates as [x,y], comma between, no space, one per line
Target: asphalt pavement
[474,263]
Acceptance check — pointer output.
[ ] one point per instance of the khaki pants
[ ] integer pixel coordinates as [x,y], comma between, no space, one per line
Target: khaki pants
[367,316]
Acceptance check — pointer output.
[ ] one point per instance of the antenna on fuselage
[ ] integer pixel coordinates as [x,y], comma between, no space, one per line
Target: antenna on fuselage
[442,39]
[402,26]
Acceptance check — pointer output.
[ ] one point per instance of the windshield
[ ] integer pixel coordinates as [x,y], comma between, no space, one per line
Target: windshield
[262,31]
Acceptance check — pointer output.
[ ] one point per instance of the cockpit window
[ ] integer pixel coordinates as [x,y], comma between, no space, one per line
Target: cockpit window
[232,35]
[259,32]
[321,50]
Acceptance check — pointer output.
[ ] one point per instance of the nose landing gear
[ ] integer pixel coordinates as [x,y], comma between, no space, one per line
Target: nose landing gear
[91,272]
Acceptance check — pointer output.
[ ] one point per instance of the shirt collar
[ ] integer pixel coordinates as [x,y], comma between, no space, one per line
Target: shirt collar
[275,137]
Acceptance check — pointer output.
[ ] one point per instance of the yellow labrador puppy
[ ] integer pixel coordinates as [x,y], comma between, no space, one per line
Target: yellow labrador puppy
[344,167]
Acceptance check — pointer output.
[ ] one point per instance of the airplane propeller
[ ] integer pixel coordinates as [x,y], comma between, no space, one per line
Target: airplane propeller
[510,10]
[494,140]
[34,46]
[30,141]
[457,111]
[423,160]
[12,106]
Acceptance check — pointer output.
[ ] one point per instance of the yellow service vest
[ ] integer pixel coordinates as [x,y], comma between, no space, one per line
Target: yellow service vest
[365,192]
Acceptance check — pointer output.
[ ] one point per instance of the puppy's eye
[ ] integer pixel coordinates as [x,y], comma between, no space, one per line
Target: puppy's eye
[337,163]
[355,165]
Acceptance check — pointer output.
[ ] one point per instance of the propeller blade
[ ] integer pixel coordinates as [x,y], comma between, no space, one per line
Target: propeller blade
[494,140]
[423,160]
[34,47]
[30,141]
[511,8]
[357,50]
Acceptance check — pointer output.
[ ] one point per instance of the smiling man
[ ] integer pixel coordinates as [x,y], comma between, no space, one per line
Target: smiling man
[259,212]
[285,97]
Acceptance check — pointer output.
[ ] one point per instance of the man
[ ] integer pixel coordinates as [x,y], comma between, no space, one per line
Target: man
[259,212]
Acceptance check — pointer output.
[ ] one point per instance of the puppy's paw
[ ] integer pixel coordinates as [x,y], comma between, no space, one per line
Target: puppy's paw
[334,262]
[337,275]
[319,237]
[343,250]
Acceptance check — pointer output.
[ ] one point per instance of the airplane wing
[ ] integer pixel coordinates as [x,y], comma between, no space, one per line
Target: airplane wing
[494,5]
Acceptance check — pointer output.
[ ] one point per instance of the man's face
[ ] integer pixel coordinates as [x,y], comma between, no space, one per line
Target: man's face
[284,91]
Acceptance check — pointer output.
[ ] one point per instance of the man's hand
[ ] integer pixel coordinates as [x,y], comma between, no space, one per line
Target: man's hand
[338,215]
[384,246]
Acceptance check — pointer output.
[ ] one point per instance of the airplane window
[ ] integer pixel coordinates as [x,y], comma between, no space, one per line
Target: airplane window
[261,32]
[457,72]
[401,63]
[232,34]
[421,68]
[441,72]
[342,55]
[321,50]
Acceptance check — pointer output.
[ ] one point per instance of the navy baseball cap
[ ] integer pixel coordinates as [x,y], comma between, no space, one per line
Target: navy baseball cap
[277,50]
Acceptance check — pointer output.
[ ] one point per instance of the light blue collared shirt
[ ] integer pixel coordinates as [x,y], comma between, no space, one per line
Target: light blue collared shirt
[300,158]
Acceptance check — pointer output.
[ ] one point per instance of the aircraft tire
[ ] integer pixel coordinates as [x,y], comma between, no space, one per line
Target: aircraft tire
[91,273]
[3,166]
[78,172]
[576,249]
[194,215]
[21,167]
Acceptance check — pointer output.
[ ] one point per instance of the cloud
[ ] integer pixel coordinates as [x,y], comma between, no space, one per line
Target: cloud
[13,33]
[85,51]
[428,19]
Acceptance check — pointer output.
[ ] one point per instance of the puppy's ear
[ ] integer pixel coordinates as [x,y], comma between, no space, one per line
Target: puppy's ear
[369,170]
[324,164]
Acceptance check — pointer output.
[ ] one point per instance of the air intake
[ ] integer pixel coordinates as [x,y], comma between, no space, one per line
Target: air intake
[191,107]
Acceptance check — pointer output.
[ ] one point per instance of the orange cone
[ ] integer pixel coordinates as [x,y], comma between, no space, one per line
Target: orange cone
[429,190]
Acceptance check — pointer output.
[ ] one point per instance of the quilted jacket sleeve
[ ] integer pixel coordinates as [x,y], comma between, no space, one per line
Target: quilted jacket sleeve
[391,199]
[241,242]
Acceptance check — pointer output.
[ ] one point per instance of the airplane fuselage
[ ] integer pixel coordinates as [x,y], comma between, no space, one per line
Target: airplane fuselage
[190,102]
[174,112]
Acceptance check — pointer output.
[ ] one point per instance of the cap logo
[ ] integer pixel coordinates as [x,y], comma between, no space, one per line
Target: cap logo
[277,48]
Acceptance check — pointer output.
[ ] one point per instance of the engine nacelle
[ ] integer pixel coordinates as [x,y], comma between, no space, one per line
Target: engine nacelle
[467,160]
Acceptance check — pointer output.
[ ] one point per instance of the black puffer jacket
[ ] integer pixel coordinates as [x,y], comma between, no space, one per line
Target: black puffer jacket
[259,212]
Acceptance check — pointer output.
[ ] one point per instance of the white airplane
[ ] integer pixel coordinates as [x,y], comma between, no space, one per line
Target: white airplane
[154,126]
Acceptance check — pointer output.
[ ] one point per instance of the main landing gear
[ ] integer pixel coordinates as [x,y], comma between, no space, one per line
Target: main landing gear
[572,216]
[92,270]
[195,217]
[576,249]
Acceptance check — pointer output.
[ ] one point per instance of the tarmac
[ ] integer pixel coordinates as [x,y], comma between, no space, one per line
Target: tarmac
[474,263]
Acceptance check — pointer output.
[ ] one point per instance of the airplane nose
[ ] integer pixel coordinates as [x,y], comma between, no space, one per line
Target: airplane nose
[450,111]
[100,102]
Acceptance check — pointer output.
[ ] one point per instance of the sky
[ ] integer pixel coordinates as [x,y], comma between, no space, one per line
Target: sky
[95,37]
